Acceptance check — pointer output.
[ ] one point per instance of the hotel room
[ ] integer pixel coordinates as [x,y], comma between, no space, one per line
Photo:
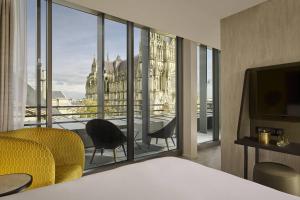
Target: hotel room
[195,99]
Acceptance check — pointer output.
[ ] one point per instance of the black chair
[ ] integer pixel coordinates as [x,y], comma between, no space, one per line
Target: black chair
[165,133]
[105,135]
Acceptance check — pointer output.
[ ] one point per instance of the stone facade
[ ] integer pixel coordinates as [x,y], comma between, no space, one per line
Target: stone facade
[162,79]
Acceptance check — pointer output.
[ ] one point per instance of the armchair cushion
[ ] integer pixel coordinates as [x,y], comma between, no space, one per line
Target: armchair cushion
[66,150]
[67,173]
[66,147]
[25,156]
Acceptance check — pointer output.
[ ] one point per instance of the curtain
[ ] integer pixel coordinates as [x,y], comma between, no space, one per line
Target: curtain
[13,61]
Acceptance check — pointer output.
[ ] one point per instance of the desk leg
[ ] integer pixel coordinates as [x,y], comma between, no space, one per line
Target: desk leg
[256,155]
[245,162]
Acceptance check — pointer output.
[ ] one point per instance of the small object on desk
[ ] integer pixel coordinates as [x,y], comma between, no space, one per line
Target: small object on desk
[282,141]
[264,137]
[14,183]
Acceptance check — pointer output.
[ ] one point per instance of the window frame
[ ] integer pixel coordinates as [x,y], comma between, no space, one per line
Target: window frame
[100,59]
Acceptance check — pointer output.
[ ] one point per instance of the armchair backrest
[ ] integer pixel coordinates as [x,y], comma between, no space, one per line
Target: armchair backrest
[168,130]
[105,134]
[65,146]
[26,156]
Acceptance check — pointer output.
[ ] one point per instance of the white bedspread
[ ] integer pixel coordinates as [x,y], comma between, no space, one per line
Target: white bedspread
[158,179]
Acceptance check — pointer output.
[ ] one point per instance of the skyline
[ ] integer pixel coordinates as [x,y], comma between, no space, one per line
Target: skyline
[72,61]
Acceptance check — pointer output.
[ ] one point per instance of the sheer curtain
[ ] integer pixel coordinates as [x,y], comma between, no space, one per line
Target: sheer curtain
[13,61]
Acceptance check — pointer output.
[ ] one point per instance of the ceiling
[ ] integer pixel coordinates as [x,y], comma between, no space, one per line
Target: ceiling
[197,20]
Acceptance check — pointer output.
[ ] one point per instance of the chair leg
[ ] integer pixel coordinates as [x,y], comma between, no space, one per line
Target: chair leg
[102,151]
[93,156]
[114,151]
[124,150]
[156,140]
[149,143]
[166,139]
[137,144]
[173,141]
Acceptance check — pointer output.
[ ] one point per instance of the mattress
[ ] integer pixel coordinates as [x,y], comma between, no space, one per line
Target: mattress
[158,179]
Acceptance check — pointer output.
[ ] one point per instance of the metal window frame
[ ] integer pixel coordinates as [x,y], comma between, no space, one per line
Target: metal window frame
[49,62]
[145,41]
[38,62]
[100,66]
[130,91]
[216,101]
[179,93]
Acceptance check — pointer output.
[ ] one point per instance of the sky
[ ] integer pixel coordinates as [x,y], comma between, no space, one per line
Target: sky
[72,60]
[74,35]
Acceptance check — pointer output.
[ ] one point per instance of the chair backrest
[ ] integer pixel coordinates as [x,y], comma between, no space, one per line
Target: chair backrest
[105,134]
[168,130]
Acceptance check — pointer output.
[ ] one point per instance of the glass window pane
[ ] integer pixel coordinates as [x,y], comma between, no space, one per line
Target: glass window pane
[161,78]
[115,79]
[162,88]
[31,110]
[73,66]
[36,90]
[209,102]
[205,134]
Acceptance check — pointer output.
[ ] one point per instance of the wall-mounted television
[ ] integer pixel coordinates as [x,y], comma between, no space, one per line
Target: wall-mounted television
[275,92]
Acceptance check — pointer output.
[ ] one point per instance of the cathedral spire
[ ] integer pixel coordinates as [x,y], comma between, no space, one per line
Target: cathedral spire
[107,57]
[94,65]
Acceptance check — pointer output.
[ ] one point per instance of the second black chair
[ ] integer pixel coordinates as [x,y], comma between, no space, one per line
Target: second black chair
[105,135]
[165,133]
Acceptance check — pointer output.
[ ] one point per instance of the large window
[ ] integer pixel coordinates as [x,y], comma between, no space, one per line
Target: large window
[206,95]
[89,79]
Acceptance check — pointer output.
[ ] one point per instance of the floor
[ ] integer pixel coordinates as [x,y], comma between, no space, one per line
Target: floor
[140,150]
[210,157]
[204,137]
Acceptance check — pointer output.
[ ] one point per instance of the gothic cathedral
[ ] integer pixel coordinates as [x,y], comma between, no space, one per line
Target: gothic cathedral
[162,79]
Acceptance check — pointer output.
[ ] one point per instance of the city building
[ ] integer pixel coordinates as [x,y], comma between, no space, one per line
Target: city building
[162,78]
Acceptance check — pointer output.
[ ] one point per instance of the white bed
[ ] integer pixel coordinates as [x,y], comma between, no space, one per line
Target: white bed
[157,179]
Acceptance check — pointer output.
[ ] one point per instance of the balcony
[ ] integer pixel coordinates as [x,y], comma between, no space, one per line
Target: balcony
[74,118]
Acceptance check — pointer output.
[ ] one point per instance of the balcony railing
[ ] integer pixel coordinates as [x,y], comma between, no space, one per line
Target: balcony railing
[81,116]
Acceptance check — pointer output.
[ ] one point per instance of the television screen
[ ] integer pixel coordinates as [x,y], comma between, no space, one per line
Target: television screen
[278,92]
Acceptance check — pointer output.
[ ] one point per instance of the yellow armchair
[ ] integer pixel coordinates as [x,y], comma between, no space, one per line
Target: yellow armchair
[25,156]
[66,147]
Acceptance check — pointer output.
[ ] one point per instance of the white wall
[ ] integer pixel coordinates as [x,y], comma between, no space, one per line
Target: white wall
[197,20]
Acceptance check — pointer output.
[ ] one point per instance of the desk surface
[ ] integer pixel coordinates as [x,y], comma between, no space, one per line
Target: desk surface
[13,183]
[292,148]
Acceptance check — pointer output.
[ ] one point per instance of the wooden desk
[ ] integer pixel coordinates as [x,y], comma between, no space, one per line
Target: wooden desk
[292,148]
